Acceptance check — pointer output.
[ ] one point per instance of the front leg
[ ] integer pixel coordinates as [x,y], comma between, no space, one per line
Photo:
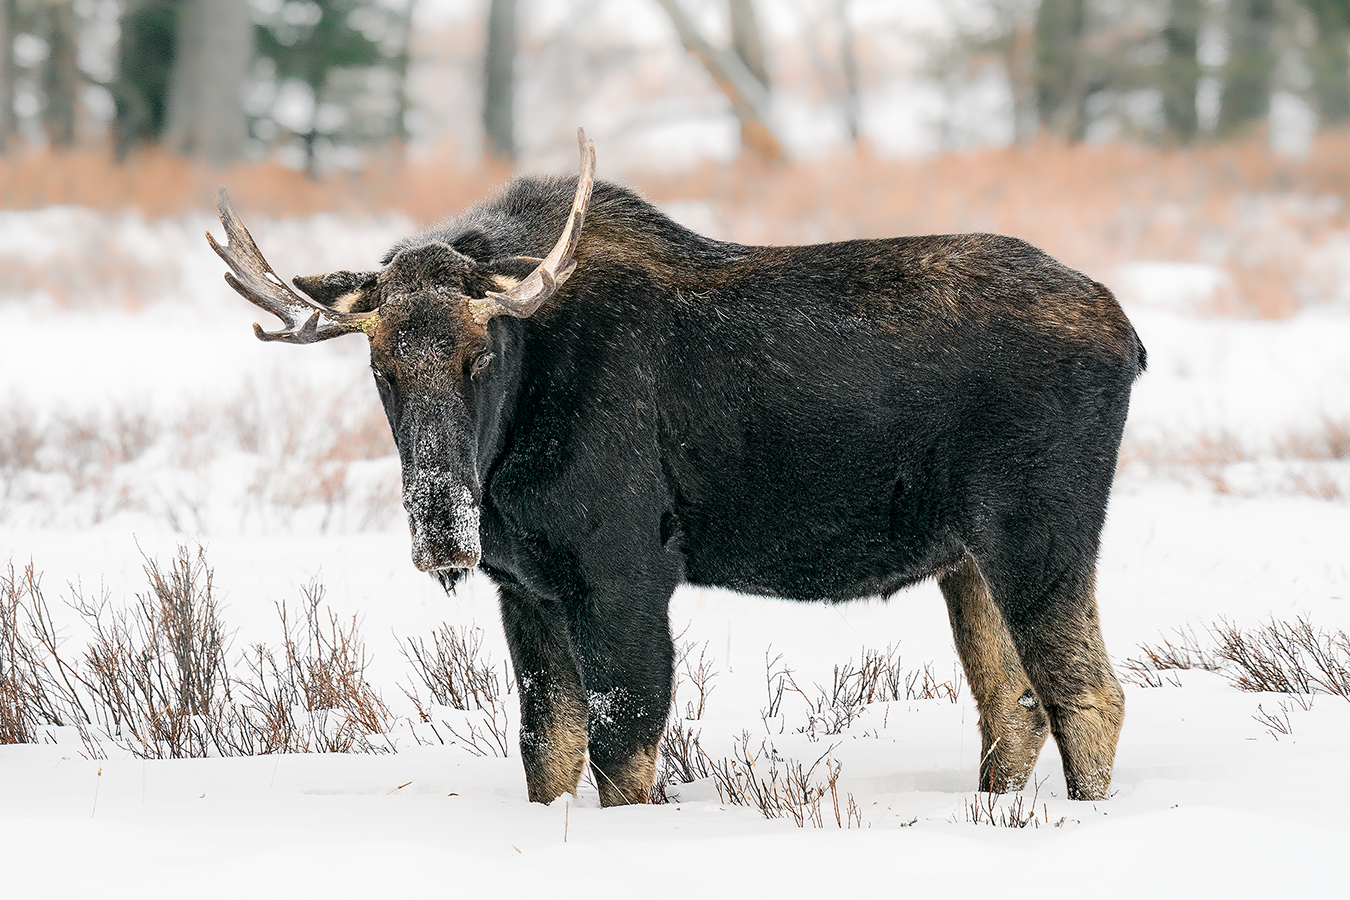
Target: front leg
[553,715]
[627,666]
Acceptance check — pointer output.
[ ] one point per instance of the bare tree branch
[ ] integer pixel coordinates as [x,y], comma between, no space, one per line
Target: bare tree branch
[749,99]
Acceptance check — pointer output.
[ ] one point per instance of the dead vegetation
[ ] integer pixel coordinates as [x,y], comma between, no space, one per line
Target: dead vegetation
[1308,462]
[1266,221]
[309,457]
[459,675]
[783,788]
[1009,810]
[776,785]
[1281,657]
[877,677]
[155,679]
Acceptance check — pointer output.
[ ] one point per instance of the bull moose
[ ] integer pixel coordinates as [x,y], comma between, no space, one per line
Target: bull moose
[593,405]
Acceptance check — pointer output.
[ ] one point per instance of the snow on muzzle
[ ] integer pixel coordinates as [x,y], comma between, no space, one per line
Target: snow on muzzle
[442,509]
[443,519]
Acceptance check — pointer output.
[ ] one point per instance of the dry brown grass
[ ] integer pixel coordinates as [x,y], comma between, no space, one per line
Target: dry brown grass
[1296,658]
[161,184]
[1306,462]
[154,677]
[84,467]
[1258,216]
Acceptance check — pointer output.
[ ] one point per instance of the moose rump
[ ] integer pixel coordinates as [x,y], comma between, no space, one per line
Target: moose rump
[630,406]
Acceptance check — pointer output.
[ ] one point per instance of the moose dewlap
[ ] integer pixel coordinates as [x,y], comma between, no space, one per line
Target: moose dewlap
[593,405]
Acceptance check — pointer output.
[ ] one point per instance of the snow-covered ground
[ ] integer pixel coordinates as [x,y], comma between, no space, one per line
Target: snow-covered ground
[135,418]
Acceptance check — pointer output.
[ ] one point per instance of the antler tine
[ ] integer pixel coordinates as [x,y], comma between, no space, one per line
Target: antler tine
[527,296]
[258,282]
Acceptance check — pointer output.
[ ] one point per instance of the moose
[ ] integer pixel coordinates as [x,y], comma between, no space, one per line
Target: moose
[593,405]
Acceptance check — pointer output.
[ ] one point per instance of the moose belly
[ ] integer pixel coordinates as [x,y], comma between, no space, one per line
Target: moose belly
[812,517]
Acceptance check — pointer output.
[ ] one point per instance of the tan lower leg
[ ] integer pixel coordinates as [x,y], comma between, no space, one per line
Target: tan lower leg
[1087,733]
[630,782]
[1013,726]
[555,755]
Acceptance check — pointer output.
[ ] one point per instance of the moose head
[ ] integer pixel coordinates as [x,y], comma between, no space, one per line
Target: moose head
[426,314]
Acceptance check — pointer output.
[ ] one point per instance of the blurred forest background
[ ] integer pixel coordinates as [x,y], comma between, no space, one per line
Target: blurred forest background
[1192,155]
[1214,131]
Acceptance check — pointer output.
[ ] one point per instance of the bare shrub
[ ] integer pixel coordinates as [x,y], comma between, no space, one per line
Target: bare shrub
[1295,658]
[454,670]
[1319,486]
[1278,723]
[1289,658]
[1009,810]
[877,677]
[40,680]
[308,444]
[155,673]
[20,441]
[154,677]
[486,736]
[700,676]
[781,788]
[1183,651]
[777,677]
[459,675]
[680,759]
[158,670]
[20,690]
[1300,463]
[314,696]
[923,684]
[1329,440]
[315,453]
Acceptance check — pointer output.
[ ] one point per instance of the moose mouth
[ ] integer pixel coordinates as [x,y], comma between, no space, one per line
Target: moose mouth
[444,528]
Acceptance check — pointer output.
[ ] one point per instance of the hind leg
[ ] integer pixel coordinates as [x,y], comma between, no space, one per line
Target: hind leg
[1055,628]
[1013,727]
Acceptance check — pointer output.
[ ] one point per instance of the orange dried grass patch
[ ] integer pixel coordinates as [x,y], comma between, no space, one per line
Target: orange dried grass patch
[161,184]
[1094,207]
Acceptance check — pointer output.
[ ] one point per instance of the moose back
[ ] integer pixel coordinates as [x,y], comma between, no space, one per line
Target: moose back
[593,405]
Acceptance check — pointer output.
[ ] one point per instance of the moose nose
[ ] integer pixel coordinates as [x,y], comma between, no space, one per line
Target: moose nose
[435,548]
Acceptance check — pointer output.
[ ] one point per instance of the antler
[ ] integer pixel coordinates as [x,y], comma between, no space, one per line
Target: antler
[527,296]
[257,282]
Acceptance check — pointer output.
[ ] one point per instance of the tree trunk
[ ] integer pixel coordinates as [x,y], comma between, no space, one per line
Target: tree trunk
[1329,59]
[499,81]
[1019,59]
[60,74]
[749,99]
[213,49]
[848,60]
[1062,67]
[745,40]
[1250,68]
[746,43]
[400,64]
[1181,69]
[145,69]
[6,76]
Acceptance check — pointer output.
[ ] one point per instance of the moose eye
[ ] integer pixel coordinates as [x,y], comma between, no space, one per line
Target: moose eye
[479,364]
[380,377]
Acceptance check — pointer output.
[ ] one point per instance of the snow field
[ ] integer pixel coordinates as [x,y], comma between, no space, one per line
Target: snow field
[235,436]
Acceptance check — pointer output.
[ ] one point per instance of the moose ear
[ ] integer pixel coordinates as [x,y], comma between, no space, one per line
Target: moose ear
[345,292]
